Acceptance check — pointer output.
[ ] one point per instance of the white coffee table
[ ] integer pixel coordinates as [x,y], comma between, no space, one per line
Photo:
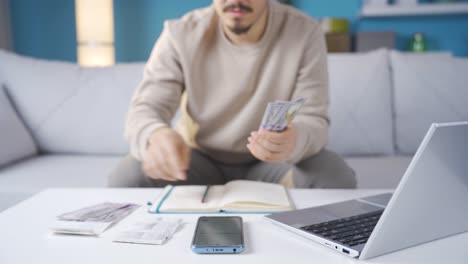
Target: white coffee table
[25,238]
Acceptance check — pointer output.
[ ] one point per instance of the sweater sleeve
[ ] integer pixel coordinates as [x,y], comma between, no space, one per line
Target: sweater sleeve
[312,84]
[157,98]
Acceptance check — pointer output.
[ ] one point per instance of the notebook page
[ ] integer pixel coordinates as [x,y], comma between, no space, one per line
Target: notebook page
[247,194]
[188,199]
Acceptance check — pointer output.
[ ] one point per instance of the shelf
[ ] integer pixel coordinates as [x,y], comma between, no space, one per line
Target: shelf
[414,10]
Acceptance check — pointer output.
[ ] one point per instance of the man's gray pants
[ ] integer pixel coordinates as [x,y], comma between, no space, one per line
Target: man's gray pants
[324,170]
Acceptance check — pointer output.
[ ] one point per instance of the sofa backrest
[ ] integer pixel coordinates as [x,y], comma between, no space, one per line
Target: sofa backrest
[427,88]
[379,103]
[360,104]
[70,109]
[384,102]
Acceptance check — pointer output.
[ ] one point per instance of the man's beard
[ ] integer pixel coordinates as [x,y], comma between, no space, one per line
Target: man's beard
[239,29]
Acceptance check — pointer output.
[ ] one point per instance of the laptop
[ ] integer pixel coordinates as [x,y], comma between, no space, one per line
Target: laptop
[429,203]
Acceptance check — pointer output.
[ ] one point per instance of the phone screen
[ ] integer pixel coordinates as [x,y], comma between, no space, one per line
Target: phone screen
[219,231]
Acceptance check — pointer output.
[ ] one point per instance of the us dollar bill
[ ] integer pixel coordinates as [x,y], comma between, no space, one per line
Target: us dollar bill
[279,114]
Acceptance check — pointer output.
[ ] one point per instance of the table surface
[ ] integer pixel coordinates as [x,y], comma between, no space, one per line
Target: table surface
[25,238]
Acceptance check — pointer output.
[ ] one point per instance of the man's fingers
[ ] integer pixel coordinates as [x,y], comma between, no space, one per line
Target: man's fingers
[160,163]
[280,146]
[178,159]
[273,146]
[263,154]
[148,160]
[184,161]
[160,175]
[173,157]
[155,166]
[277,137]
[274,137]
[163,167]
[169,157]
[267,144]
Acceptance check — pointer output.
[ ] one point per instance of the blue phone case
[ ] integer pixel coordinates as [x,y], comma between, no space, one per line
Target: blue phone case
[218,249]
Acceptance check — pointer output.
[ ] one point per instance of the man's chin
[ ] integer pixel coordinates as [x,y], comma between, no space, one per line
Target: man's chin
[239,29]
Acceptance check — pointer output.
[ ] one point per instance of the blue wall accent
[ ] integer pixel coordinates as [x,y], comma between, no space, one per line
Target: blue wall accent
[46,28]
[330,8]
[140,22]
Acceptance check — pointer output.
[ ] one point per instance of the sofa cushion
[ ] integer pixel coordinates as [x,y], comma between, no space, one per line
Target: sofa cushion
[428,89]
[360,104]
[382,172]
[56,171]
[70,109]
[15,141]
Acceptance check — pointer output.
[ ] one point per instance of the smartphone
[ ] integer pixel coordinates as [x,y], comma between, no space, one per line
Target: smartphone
[218,235]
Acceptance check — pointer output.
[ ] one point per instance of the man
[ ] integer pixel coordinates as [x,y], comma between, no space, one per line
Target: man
[222,65]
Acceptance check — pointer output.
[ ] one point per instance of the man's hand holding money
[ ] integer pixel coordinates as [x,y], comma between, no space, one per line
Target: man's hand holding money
[275,141]
[271,146]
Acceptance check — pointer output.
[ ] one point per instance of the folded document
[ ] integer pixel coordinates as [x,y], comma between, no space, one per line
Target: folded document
[154,232]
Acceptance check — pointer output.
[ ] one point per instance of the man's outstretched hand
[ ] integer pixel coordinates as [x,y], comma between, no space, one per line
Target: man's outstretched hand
[167,156]
[272,146]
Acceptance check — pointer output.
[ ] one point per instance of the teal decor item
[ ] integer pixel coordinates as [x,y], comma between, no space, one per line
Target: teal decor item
[335,25]
[418,43]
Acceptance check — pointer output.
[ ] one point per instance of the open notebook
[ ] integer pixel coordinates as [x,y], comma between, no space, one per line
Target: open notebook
[234,197]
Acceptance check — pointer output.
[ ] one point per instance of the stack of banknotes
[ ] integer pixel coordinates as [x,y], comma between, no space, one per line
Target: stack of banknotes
[92,220]
[279,114]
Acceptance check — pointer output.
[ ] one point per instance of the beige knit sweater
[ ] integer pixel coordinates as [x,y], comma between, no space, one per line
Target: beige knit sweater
[223,89]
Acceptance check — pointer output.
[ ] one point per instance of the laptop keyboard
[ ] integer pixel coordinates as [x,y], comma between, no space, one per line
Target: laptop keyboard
[350,231]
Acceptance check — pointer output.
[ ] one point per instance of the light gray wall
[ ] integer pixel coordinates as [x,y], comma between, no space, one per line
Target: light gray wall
[5,26]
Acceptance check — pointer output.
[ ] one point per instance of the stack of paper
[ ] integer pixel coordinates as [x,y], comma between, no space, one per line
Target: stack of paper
[92,220]
[154,232]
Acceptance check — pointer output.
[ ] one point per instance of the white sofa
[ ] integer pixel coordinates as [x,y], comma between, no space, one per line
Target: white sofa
[62,125]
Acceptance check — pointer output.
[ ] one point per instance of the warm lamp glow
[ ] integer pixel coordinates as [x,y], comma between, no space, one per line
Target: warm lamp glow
[95,32]
[98,55]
